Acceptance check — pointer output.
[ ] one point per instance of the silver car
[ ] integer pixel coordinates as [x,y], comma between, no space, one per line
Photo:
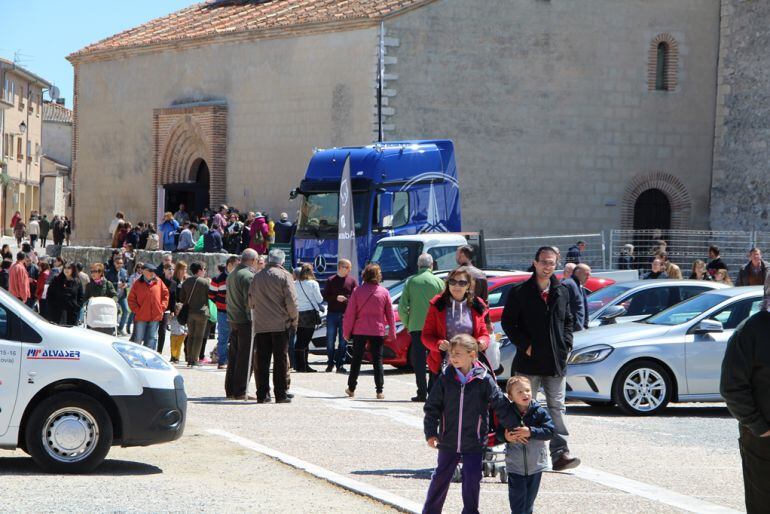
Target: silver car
[673,356]
[638,299]
[621,303]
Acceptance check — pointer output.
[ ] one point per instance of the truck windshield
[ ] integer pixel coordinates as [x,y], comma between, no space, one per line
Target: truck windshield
[319,213]
[397,260]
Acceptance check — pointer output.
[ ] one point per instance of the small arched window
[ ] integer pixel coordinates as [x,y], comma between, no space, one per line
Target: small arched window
[663,63]
[661,67]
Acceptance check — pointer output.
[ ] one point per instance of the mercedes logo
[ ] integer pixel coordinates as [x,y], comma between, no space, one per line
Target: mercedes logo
[344,192]
[320,263]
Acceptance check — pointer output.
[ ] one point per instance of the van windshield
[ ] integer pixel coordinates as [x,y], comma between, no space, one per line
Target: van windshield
[397,260]
[319,212]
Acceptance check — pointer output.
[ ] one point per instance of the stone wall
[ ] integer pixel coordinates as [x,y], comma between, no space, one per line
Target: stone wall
[550,108]
[741,184]
[91,254]
[284,97]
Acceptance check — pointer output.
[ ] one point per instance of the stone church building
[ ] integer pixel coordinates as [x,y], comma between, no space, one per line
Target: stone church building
[566,116]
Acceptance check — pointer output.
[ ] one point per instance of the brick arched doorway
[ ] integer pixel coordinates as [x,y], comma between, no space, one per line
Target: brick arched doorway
[190,157]
[651,191]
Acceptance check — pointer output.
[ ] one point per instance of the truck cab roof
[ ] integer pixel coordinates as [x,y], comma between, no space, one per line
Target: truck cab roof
[391,162]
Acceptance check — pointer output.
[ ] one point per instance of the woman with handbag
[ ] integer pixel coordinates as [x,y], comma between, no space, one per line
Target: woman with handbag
[367,319]
[309,300]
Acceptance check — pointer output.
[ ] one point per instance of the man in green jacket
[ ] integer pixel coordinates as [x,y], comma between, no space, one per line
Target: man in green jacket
[744,386]
[239,318]
[412,310]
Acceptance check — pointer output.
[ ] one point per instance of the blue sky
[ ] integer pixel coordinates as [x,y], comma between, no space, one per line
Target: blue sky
[44,32]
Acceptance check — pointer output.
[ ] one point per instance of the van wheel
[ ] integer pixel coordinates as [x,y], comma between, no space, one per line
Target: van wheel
[68,433]
[642,388]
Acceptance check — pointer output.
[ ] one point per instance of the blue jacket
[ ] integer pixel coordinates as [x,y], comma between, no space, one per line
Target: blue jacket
[459,414]
[574,255]
[528,459]
[212,242]
[167,231]
[116,277]
[578,304]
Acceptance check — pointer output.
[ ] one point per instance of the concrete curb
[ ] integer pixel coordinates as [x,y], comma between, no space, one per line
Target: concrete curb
[375,493]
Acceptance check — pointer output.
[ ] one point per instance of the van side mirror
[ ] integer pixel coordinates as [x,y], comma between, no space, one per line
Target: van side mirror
[611,315]
[708,325]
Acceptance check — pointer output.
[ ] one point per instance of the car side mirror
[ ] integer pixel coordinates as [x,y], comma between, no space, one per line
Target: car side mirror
[707,326]
[611,315]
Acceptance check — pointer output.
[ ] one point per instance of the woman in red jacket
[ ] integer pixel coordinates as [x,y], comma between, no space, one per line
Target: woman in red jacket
[455,311]
[368,316]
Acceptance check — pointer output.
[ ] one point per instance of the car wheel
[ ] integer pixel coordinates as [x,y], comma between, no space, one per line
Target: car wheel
[642,388]
[69,433]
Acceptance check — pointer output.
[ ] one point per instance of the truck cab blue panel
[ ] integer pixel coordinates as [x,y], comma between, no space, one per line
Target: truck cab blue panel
[425,169]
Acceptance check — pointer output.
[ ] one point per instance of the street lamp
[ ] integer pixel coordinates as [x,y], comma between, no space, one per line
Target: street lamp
[23,128]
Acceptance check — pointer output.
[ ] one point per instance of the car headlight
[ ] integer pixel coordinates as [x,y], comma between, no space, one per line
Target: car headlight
[590,355]
[140,357]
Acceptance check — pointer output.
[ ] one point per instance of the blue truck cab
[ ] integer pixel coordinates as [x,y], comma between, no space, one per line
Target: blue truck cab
[399,188]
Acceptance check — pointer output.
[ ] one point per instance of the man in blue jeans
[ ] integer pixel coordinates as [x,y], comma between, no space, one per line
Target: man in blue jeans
[218,295]
[336,294]
[148,300]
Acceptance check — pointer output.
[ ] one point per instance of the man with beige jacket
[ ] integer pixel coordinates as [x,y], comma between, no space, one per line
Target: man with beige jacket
[273,304]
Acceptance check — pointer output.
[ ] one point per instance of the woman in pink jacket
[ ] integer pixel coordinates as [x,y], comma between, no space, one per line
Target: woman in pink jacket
[368,316]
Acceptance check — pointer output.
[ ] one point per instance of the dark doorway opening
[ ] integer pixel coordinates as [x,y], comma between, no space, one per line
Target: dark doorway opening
[652,210]
[194,195]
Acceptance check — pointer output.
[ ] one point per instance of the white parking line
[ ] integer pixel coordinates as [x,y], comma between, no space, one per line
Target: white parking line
[651,492]
[355,486]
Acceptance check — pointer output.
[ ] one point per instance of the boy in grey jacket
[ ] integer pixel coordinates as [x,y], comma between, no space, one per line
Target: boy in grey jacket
[526,454]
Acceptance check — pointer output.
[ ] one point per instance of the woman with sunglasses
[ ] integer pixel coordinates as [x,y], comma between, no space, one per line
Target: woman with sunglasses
[99,286]
[65,296]
[453,312]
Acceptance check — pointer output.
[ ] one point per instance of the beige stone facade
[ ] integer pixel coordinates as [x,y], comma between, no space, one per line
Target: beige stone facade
[280,102]
[563,113]
[21,100]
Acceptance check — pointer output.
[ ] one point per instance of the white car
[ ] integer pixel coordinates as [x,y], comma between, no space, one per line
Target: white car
[67,394]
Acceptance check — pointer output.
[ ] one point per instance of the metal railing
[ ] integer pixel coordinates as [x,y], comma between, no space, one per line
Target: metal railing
[519,252]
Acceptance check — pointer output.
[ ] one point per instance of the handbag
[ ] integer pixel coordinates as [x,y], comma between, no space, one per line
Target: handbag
[184,312]
[310,318]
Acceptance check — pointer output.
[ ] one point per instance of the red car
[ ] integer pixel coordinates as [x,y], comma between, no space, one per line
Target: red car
[396,353]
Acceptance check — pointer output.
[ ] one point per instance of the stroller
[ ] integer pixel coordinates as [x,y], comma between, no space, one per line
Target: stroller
[102,315]
[493,460]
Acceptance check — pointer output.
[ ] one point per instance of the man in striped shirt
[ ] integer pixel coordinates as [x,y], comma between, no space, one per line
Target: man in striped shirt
[218,295]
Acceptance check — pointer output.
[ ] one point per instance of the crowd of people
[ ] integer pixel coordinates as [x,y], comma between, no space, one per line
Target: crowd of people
[225,231]
[264,316]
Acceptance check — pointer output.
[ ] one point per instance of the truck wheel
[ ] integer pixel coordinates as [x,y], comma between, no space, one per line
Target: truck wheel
[69,433]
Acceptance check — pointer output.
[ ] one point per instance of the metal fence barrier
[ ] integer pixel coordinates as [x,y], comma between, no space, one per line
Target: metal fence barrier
[603,250]
[683,247]
[519,252]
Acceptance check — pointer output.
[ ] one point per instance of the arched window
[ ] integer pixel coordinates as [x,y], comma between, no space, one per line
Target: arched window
[661,67]
[663,63]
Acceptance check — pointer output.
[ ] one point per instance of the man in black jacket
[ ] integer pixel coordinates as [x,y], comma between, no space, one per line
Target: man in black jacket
[744,386]
[537,319]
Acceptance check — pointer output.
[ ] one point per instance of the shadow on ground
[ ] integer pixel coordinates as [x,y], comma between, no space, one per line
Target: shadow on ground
[420,474]
[672,411]
[110,467]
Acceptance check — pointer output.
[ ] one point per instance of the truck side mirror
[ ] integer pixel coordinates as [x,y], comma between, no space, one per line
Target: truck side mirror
[386,210]
[293,193]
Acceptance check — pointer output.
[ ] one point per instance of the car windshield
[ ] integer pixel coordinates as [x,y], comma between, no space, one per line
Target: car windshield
[686,310]
[397,260]
[319,212]
[605,296]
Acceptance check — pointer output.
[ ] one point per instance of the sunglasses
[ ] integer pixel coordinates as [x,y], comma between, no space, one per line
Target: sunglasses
[461,283]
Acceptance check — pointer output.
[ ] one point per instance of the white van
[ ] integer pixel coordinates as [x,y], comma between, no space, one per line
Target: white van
[67,394]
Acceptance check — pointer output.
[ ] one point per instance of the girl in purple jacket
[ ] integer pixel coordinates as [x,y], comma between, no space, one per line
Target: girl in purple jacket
[367,318]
